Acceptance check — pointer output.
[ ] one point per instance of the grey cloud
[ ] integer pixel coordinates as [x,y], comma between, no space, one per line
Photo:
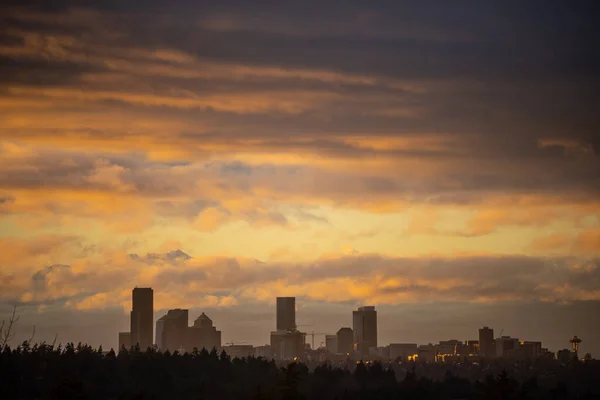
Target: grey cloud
[172,257]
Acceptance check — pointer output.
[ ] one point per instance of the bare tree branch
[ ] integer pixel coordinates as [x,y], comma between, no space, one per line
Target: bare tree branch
[6,333]
[30,340]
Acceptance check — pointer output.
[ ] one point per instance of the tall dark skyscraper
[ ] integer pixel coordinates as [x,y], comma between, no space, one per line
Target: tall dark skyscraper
[172,330]
[487,347]
[286,313]
[364,321]
[142,314]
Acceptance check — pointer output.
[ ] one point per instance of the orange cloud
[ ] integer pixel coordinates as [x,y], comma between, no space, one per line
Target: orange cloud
[588,242]
[551,242]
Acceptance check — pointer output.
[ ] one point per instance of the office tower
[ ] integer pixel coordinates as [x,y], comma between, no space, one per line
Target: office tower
[345,341]
[365,329]
[331,343]
[286,313]
[142,315]
[203,334]
[172,328]
[487,347]
[124,340]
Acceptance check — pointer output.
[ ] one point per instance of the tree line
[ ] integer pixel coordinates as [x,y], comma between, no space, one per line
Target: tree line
[46,371]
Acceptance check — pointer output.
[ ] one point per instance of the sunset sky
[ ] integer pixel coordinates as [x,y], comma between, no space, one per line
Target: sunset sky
[439,160]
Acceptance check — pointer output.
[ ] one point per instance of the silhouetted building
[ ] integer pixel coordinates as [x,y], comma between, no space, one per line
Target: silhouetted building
[449,347]
[487,347]
[331,343]
[286,313]
[529,350]
[506,346]
[172,328]
[142,316]
[124,340]
[380,352]
[472,346]
[203,334]
[287,345]
[239,350]
[427,353]
[263,351]
[402,351]
[565,356]
[365,329]
[345,341]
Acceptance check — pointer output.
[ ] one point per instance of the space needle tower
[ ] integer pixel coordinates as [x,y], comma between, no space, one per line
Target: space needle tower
[575,341]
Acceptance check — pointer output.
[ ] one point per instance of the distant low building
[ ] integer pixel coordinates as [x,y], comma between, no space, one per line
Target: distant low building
[380,352]
[345,341]
[506,346]
[287,345]
[529,350]
[472,347]
[449,347]
[331,344]
[565,356]
[239,350]
[427,353]
[263,351]
[124,340]
[402,351]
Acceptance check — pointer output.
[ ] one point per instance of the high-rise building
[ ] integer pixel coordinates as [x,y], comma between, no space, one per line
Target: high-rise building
[286,313]
[203,334]
[365,329]
[487,347]
[345,341]
[142,316]
[172,328]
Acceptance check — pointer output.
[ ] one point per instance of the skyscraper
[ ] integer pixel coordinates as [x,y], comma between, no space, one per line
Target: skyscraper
[364,321]
[172,329]
[487,347]
[142,314]
[286,313]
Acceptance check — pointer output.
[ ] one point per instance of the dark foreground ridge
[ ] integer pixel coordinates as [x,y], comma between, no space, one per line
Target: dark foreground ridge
[82,372]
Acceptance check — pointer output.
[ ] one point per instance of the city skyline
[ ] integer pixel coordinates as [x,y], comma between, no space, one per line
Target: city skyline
[288,342]
[436,161]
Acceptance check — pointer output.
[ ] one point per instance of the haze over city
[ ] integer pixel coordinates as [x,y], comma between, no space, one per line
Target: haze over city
[440,163]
